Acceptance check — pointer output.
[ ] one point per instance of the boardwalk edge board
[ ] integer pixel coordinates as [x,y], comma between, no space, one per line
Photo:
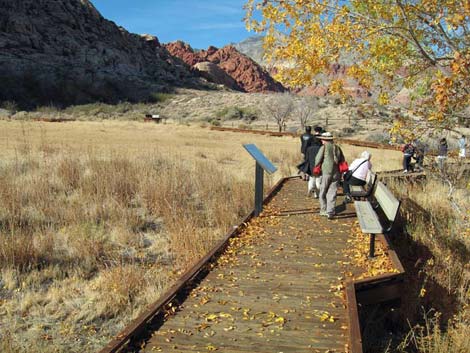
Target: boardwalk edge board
[372,290]
[138,325]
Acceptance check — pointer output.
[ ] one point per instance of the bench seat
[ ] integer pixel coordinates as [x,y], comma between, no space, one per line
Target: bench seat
[367,217]
[359,191]
[357,188]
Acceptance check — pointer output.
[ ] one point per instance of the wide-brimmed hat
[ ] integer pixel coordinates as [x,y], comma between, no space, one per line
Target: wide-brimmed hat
[326,136]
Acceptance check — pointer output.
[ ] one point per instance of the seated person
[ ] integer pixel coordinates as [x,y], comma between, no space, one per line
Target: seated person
[359,167]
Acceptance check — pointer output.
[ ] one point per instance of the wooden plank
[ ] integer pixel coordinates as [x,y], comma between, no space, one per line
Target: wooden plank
[275,274]
[368,220]
[388,202]
[355,339]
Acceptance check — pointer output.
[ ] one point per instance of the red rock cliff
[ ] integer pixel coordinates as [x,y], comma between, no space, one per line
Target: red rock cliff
[249,76]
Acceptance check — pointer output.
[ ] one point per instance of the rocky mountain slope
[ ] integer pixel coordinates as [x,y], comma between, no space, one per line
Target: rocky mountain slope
[253,48]
[65,52]
[248,75]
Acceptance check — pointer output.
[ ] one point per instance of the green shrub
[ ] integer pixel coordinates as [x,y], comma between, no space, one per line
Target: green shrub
[379,137]
[47,109]
[159,97]
[11,106]
[237,113]
[214,122]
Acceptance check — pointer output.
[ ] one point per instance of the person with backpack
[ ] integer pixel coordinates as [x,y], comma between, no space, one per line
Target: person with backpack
[327,162]
[306,167]
[408,152]
[357,175]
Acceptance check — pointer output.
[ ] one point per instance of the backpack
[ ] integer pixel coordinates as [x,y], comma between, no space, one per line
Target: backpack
[408,149]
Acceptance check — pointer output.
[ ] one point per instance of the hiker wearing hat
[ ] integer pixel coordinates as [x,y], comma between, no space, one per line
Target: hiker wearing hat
[328,158]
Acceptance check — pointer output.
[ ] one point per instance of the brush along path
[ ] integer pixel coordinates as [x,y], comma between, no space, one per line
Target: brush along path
[277,288]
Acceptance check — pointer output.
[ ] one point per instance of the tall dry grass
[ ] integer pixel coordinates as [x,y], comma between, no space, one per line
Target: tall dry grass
[444,234]
[87,240]
[92,231]
[98,218]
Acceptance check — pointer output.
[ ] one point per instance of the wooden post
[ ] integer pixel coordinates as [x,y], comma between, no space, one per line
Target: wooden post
[372,246]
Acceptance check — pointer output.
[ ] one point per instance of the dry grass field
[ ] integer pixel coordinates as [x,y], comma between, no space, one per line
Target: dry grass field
[98,218]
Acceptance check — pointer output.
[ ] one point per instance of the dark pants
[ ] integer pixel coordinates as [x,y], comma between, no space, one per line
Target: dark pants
[406,162]
[419,161]
[352,181]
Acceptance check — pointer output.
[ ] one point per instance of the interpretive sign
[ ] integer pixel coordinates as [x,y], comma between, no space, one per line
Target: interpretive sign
[262,164]
[260,158]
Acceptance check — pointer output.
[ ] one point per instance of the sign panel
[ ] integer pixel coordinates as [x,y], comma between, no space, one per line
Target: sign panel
[260,158]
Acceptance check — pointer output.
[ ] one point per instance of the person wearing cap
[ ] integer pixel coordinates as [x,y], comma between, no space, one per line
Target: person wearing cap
[360,167]
[328,157]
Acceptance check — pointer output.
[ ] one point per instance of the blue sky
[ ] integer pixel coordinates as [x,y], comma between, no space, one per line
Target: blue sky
[198,22]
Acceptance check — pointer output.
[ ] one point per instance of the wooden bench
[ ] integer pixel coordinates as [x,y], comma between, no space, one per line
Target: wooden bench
[153,118]
[364,191]
[373,222]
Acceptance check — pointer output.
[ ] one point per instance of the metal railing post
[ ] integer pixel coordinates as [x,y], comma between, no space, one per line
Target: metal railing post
[259,184]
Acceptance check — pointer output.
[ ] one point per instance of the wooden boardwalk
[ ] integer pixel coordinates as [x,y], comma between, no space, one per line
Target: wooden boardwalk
[277,288]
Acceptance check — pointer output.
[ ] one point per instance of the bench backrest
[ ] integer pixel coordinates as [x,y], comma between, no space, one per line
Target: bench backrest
[388,203]
[371,178]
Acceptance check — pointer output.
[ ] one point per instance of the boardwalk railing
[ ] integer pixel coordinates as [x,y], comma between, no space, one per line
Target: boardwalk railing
[351,142]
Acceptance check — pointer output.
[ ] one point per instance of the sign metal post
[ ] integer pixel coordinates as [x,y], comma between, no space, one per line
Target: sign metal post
[262,164]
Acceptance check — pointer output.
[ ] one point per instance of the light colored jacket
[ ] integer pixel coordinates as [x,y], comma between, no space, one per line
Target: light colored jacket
[362,169]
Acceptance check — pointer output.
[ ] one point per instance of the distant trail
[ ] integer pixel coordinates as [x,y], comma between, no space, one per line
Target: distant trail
[340,140]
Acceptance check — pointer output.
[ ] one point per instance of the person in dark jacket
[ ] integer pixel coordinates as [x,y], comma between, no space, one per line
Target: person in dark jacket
[408,152]
[419,155]
[306,140]
[307,165]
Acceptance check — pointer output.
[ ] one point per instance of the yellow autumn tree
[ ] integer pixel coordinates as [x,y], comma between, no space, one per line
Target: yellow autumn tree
[423,45]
